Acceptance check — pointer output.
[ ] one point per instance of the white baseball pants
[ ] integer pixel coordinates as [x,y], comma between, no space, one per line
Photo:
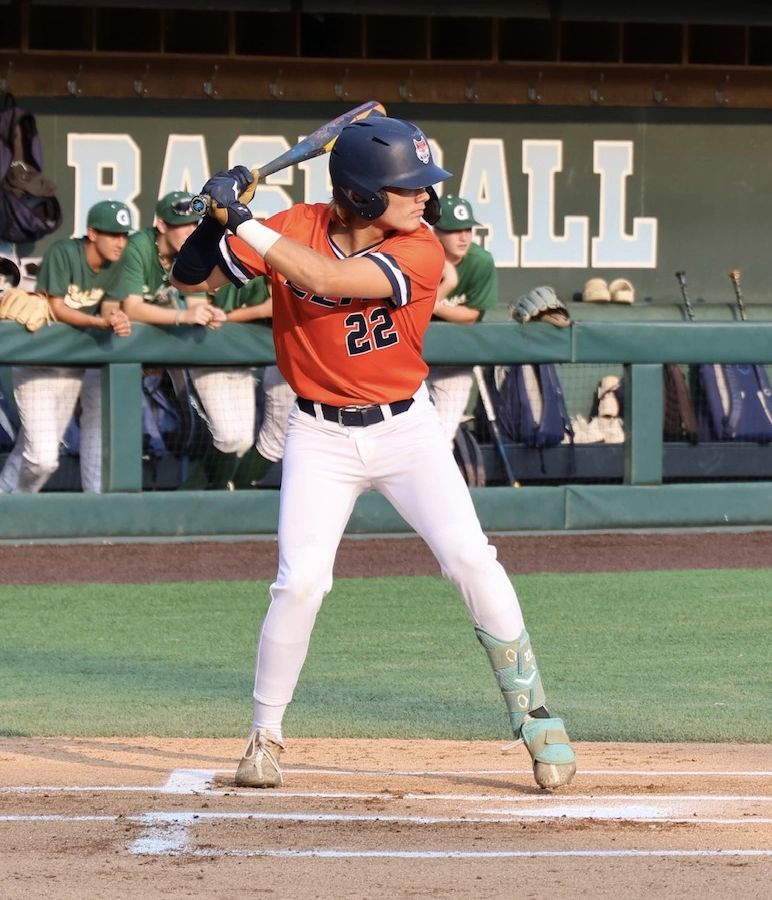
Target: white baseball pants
[46,398]
[326,467]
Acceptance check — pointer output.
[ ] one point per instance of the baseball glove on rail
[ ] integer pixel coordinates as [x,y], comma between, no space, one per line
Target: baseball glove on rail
[541,303]
[30,310]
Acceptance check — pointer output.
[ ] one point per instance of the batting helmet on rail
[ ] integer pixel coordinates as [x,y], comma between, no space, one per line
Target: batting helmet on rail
[377,153]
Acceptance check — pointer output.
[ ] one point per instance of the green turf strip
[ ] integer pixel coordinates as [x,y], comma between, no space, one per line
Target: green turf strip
[659,656]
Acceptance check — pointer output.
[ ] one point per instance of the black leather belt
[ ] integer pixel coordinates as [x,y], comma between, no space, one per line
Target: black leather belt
[354,416]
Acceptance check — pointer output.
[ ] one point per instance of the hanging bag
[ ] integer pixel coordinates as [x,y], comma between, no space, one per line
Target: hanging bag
[29,209]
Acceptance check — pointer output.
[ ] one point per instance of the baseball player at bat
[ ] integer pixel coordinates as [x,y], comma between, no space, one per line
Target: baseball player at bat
[354,286]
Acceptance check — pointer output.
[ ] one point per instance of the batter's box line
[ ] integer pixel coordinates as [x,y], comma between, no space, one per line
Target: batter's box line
[215,782]
[469,854]
[167,834]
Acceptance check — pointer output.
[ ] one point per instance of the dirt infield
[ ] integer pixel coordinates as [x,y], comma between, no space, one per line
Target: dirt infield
[153,818]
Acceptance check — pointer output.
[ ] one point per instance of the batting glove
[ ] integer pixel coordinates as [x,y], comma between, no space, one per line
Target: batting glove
[541,303]
[229,192]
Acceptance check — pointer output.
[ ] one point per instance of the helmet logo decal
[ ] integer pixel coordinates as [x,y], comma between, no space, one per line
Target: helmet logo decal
[422,150]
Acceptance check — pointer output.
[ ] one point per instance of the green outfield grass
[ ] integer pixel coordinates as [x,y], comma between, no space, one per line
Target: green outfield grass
[658,656]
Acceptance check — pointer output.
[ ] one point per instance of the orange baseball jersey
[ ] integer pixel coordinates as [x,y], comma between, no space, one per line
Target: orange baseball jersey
[345,350]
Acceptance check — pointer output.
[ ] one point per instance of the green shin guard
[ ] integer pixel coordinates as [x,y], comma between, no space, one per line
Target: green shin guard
[517,675]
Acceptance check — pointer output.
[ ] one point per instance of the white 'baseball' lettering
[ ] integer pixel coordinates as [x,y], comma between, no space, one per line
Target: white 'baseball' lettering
[109,166]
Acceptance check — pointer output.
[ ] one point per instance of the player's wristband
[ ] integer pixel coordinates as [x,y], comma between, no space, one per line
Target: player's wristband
[259,237]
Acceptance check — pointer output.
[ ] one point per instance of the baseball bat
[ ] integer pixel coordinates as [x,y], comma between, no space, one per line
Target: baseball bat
[318,142]
[490,414]
[761,373]
[681,276]
[735,276]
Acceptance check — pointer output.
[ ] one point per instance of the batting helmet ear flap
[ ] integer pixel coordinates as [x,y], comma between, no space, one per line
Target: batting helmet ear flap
[364,203]
[432,210]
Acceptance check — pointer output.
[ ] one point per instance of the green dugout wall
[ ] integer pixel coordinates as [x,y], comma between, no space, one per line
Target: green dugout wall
[641,344]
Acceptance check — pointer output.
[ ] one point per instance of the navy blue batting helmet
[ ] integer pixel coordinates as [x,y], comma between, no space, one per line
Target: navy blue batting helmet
[380,152]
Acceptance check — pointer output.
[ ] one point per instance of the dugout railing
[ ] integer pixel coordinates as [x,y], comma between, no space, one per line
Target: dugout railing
[644,498]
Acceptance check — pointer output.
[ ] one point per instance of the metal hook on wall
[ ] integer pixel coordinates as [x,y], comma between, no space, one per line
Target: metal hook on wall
[469,91]
[595,94]
[659,92]
[139,83]
[5,79]
[340,92]
[720,95]
[404,89]
[209,89]
[274,88]
[533,90]
[73,85]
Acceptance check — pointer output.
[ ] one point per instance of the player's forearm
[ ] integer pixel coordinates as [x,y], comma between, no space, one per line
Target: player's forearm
[140,311]
[312,271]
[460,314]
[195,269]
[75,317]
[302,265]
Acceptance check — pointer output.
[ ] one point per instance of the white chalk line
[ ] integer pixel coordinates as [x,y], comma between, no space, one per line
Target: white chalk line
[166,833]
[170,837]
[469,854]
[198,781]
[447,773]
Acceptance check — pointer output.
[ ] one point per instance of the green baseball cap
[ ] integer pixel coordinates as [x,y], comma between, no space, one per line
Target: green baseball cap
[109,216]
[174,209]
[455,214]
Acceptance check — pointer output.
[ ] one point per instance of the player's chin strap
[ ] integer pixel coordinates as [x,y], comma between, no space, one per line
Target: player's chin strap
[517,674]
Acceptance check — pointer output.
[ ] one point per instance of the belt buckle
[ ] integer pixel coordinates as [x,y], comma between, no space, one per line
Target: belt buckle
[343,410]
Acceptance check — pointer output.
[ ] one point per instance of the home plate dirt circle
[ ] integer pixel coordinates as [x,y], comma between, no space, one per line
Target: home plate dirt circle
[155,817]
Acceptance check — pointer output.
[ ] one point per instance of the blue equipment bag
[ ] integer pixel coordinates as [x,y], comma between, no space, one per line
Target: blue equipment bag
[736,403]
[532,410]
